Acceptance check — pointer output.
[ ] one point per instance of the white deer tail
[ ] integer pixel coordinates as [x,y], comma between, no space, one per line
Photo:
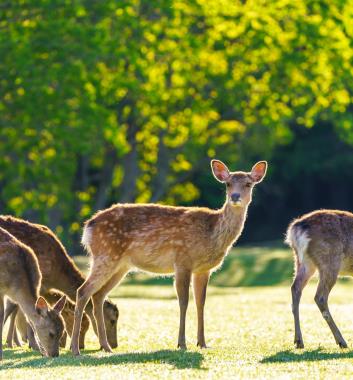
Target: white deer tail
[298,238]
[86,239]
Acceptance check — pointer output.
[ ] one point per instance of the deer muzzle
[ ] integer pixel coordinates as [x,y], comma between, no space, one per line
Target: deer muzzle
[236,200]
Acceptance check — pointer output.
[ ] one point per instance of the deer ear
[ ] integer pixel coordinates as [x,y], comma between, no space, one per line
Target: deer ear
[59,306]
[258,171]
[42,306]
[220,170]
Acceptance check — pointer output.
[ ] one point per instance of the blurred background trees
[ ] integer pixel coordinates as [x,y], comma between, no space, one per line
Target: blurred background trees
[106,101]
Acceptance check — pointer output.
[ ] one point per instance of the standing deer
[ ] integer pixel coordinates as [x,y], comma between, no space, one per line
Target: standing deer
[187,241]
[321,240]
[20,280]
[57,268]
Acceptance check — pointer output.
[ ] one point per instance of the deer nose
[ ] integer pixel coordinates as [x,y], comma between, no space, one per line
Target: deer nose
[235,197]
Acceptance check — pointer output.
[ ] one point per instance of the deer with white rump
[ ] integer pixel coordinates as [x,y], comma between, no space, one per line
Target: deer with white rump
[189,242]
[321,241]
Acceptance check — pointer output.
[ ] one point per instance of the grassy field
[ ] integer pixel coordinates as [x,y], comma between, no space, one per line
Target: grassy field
[249,329]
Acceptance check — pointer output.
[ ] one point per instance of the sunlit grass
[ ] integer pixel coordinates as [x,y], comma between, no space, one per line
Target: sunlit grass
[249,331]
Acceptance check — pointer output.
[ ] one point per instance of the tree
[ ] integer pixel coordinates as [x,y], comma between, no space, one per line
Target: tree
[128,101]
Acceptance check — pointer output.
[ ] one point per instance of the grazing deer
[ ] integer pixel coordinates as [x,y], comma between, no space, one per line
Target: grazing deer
[57,268]
[187,241]
[323,241]
[68,314]
[18,320]
[20,280]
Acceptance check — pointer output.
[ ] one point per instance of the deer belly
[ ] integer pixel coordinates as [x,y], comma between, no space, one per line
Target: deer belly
[152,260]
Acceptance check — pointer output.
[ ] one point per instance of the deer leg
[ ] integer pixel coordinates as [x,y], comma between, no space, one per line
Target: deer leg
[326,283]
[98,300]
[182,284]
[63,340]
[69,321]
[16,338]
[81,339]
[90,314]
[9,309]
[94,282]
[11,330]
[2,317]
[84,293]
[82,334]
[32,342]
[303,274]
[200,282]
[21,325]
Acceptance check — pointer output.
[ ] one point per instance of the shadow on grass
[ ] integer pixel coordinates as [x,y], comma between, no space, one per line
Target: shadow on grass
[178,359]
[306,356]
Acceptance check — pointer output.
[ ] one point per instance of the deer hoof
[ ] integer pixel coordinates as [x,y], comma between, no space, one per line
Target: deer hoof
[182,346]
[75,352]
[106,349]
[299,344]
[342,344]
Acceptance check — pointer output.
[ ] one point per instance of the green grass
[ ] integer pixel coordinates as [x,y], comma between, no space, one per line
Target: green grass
[249,330]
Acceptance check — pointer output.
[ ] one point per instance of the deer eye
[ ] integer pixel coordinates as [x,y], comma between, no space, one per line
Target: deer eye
[249,184]
[227,184]
[112,322]
[51,335]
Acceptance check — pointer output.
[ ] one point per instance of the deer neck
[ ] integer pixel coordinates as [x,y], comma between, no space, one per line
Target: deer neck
[69,281]
[28,307]
[230,224]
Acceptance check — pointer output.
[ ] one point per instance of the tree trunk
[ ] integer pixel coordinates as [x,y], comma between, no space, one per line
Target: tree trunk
[159,183]
[106,177]
[131,171]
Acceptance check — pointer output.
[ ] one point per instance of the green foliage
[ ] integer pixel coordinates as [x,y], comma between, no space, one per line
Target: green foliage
[108,101]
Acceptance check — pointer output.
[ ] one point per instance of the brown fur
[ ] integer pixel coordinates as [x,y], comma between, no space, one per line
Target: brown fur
[53,296]
[32,271]
[68,314]
[20,280]
[321,240]
[58,269]
[51,254]
[164,240]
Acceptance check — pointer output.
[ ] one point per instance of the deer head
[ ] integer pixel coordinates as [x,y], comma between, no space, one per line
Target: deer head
[239,185]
